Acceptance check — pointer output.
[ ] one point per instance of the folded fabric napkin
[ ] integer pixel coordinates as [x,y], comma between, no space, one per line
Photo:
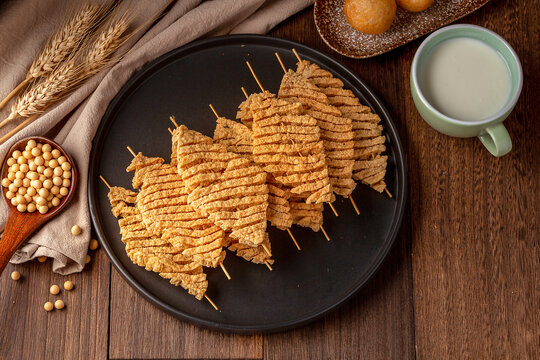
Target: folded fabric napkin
[25,26]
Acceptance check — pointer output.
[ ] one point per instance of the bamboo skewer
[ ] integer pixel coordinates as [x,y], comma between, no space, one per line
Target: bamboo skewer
[205,296]
[293,239]
[266,250]
[260,86]
[285,71]
[211,302]
[388,192]
[225,270]
[220,264]
[268,265]
[354,205]
[325,234]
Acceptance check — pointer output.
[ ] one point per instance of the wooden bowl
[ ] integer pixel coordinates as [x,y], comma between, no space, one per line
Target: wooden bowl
[21,225]
[407,26]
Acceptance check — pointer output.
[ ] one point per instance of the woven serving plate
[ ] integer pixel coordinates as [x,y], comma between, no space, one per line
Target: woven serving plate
[407,26]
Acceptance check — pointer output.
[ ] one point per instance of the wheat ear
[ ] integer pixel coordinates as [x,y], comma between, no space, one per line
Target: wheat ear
[63,44]
[97,57]
[69,74]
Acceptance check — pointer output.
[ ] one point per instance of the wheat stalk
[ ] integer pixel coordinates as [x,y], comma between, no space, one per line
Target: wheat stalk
[63,44]
[35,99]
[98,55]
[65,41]
[70,74]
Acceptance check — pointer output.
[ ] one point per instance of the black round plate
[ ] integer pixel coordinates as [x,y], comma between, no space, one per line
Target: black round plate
[304,284]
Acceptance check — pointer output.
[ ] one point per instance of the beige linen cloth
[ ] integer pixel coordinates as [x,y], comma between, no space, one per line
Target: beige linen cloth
[25,26]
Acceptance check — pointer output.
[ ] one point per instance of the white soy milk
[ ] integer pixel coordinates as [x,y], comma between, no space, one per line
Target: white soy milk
[465,79]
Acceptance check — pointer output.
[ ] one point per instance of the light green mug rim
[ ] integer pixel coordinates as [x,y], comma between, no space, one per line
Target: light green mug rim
[491,119]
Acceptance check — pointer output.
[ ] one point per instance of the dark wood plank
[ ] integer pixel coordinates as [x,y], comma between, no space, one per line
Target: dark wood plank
[79,331]
[475,220]
[377,323]
[140,330]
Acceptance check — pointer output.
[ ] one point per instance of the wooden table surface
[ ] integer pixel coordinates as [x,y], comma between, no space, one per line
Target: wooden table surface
[462,280]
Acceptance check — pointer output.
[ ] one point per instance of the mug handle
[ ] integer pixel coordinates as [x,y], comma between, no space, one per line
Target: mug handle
[496,139]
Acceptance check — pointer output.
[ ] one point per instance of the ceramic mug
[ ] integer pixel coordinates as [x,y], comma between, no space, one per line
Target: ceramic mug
[491,130]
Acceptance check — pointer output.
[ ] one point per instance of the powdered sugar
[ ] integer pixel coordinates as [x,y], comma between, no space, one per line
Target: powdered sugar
[407,26]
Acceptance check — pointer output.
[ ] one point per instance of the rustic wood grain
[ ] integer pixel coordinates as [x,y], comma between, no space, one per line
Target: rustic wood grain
[377,323]
[79,331]
[461,282]
[139,330]
[475,220]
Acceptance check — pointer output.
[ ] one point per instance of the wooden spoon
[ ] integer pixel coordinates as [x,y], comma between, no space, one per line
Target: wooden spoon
[20,225]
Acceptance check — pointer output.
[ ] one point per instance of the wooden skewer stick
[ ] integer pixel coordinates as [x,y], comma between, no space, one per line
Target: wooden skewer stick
[211,302]
[105,181]
[281,62]
[245,92]
[333,209]
[225,271]
[173,121]
[205,296]
[214,111]
[354,205]
[170,130]
[325,234]
[296,54]
[266,250]
[131,151]
[268,265]
[293,239]
[221,264]
[388,192]
[254,76]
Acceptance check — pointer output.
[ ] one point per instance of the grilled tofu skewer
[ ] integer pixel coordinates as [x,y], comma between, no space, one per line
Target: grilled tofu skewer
[152,253]
[238,139]
[370,163]
[164,209]
[214,178]
[298,164]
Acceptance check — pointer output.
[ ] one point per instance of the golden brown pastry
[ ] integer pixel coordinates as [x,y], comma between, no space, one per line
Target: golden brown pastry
[370,16]
[414,5]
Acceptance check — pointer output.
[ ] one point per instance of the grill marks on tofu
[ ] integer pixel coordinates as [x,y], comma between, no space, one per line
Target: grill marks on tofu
[238,139]
[152,253]
[335,130]
[294,160]
[306,215]
[163,204]
[256,254]
[227,188]
[370,164]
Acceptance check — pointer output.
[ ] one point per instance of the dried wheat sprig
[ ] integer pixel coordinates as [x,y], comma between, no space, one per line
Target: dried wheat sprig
[70,73]
[97,57]
[65,41]
[63,44]
[44,92]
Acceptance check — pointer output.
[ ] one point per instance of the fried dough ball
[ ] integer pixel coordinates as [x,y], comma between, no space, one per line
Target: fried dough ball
[414,5]
[370,16]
